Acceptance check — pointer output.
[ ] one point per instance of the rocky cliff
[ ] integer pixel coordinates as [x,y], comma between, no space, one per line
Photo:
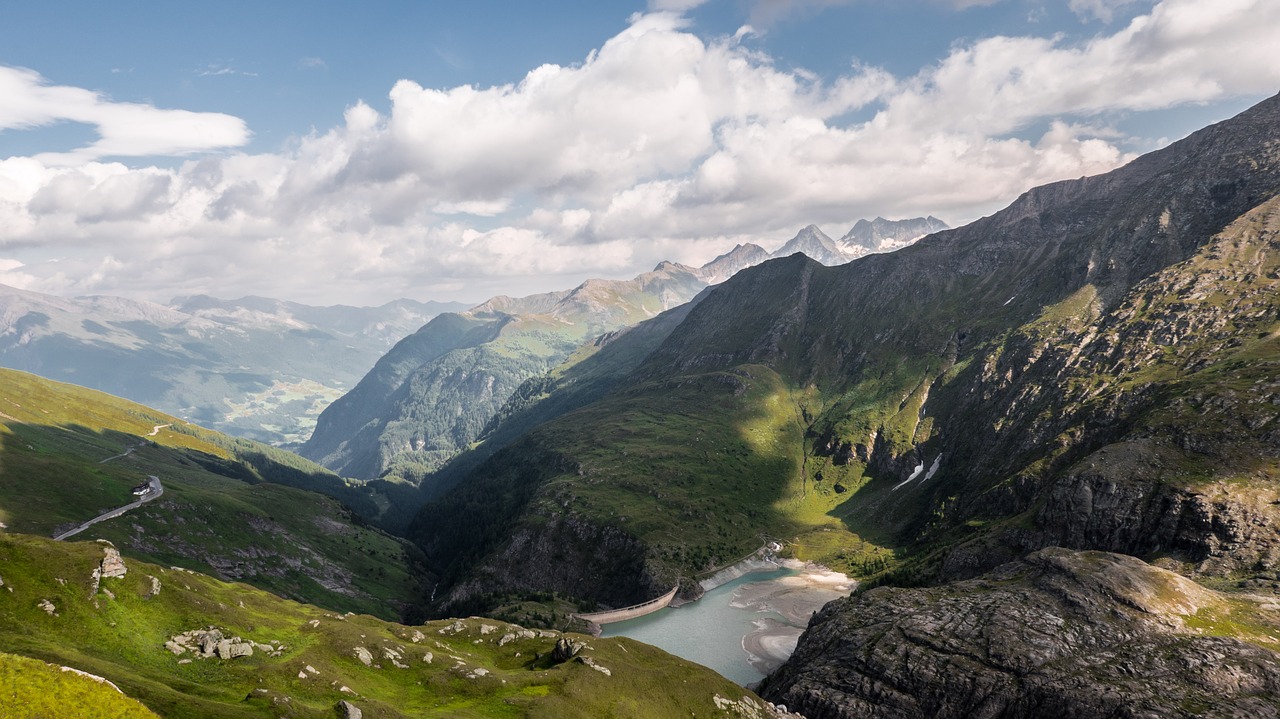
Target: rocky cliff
[1055,634]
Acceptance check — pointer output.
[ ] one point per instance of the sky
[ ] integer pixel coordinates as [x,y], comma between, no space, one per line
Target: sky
[353,153]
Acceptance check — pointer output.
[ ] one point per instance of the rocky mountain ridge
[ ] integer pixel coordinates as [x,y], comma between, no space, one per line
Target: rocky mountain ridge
[864,238]
[1093,366]
[432,394]
[431,397]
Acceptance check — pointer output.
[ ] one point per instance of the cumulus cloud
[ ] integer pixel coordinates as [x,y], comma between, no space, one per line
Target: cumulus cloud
[658,145]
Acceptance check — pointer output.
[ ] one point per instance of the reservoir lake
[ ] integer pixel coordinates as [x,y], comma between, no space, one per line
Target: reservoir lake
[745,628]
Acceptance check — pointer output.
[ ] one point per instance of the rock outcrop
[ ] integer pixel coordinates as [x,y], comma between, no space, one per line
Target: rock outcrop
[565,650]
[112,563]
[1059,633]
[213,642]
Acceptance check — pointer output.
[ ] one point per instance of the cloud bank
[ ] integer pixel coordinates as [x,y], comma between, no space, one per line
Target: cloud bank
[660,144]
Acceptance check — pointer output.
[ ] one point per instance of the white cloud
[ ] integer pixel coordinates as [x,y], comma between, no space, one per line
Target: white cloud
[125,129]
[678,6]
[765,13]
[660,145]
[1103,10]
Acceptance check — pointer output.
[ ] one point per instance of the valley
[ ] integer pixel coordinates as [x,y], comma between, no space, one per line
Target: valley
[254,367]
[1026,460]
[615,361]
[70,454]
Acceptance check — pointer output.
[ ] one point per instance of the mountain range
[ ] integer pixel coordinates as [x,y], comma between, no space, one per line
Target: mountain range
[434,393]
[1045,442]
[254,367]
[864,238]
[1092,368]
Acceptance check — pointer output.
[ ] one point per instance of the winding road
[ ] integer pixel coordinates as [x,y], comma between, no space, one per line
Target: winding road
[154,490]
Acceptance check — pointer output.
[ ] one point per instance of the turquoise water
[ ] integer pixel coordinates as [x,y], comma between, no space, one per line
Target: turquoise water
[708,631]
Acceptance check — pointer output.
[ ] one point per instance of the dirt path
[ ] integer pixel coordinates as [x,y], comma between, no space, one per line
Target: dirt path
[154,431]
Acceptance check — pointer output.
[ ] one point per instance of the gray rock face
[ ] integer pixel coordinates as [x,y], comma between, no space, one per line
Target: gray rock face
[228,649]
[112,564]
[347,710]
[1056,634]
[565,649]
[813,243]
[731,262]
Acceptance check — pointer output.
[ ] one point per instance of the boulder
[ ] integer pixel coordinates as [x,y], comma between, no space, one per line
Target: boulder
[209,642]
[112,564]
[565,649]
[347,710]
[232,649]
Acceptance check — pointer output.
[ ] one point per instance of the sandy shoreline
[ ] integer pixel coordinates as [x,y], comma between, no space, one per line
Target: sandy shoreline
[794,599]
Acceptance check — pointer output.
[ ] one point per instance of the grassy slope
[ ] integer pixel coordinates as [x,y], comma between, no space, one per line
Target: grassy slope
[591,371]
[216,513]
[31,689]
[122,638]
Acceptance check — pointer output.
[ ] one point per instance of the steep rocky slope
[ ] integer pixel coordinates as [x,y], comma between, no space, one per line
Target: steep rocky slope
[1092,366]
[1055,634]
[433,393]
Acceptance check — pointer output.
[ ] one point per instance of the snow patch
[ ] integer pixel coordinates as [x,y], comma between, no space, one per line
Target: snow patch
[919,468]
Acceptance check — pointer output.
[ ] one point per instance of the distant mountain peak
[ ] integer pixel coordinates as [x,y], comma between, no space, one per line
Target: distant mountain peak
[881,235]
[730,263]
[815,243]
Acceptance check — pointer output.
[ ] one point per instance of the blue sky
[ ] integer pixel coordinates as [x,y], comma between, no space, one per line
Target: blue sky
[458,150]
